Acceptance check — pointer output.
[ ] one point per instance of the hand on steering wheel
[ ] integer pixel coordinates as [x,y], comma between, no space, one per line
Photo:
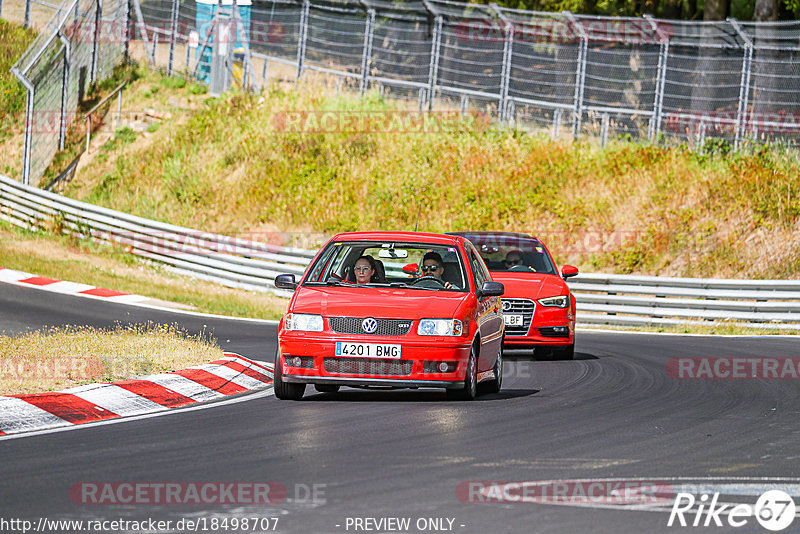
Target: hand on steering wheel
[431,278]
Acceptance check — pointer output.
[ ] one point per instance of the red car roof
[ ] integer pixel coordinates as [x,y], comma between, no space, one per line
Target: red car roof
[424,237]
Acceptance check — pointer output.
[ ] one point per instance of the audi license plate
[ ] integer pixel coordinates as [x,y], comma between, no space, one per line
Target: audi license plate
[367,350]
[513,320]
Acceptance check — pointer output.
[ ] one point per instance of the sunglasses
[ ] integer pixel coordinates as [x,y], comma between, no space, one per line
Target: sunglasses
[512,262]
[433,268]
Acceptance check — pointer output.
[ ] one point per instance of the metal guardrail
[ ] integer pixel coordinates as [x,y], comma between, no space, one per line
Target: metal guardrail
[227,260]
[654,300]
[603,299]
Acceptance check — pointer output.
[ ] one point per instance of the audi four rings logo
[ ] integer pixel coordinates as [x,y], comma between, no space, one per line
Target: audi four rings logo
[369,325]
[506,305]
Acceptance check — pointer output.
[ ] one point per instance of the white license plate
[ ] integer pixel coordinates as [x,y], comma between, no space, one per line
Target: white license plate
[367,350]
[513,320]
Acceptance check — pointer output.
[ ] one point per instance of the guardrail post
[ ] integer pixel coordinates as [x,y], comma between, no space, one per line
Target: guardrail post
[433,68]
[604,123]
[744,84]
[62,123]
[301,42]
[580,74]
[27,21]
[556,123]
[366,58]
[173,30]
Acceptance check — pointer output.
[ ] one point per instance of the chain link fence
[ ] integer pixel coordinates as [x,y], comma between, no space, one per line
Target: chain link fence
[665,81]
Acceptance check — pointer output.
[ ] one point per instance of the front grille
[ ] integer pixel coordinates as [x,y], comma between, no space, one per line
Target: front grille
[368,366]
[386,327]
[552,331]
[525,307]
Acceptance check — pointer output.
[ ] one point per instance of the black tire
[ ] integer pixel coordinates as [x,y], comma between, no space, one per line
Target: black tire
[470,389]
[286,390]
[566,353]
[494,386]
[326,388]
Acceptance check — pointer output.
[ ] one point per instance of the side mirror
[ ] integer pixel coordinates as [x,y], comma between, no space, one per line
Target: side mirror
[491,289]
[411,268]
[285,281]
[568,271]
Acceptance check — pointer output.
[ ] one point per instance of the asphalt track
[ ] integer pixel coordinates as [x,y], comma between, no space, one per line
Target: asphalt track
[612,413]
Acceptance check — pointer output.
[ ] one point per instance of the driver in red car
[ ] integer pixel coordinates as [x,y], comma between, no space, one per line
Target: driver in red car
[514,257]
[432,265]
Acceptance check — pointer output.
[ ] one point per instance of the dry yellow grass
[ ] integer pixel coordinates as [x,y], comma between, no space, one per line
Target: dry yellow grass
[59,358]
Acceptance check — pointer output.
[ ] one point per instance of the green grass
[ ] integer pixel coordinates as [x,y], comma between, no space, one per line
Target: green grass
[14,40]
[67,258]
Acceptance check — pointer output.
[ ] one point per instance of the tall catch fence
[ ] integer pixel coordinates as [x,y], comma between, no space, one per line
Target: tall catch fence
[648,79]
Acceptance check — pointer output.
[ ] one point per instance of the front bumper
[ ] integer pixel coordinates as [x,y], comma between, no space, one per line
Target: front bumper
[412,373]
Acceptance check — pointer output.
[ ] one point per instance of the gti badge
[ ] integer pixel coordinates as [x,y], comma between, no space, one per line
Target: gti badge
[369,325]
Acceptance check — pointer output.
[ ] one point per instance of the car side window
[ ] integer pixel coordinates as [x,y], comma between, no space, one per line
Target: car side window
[477,269]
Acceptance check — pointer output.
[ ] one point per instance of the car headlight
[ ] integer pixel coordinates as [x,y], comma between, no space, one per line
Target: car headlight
[303,322]
[440,327]
[562,301]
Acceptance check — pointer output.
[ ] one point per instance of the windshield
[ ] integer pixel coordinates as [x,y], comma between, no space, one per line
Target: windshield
[513,253]
[391,264]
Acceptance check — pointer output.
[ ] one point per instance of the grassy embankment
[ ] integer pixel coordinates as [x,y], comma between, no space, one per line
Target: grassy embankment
[59,358]
[227,166]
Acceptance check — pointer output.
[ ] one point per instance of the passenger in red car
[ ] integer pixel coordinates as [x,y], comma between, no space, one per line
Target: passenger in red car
[364,269]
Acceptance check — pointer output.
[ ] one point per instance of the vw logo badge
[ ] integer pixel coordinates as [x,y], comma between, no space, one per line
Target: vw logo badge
[369,325]
[507,305]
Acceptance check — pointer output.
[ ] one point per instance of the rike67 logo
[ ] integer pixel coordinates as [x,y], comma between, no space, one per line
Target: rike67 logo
[774,510]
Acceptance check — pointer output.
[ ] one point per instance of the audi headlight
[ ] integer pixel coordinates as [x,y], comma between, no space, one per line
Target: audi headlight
[440,327]
[562,301]
[303,322]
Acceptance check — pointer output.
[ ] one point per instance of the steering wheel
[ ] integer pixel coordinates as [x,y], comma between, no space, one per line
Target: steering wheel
[423,281]
[521,268]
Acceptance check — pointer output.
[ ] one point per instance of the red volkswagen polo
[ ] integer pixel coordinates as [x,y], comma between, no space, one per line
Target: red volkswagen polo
[538,307]
[391,309]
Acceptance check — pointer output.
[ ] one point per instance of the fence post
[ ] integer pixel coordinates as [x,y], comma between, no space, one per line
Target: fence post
[1,9]
[433,68]
[367,55]
[26,150]
[62,123]
[580,74]
[248,76]
[744,83]
[301,42]
[143,31]
[127,47]
[663,55]
[173,30]
[98,12]
[27,22]
[505,73]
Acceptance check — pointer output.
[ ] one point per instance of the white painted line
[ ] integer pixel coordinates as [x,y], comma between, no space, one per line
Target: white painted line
[253,365]
[232,375]
[10,275]
[19,416]
[184,386]
[115,399]
[126,299]
[68,287]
